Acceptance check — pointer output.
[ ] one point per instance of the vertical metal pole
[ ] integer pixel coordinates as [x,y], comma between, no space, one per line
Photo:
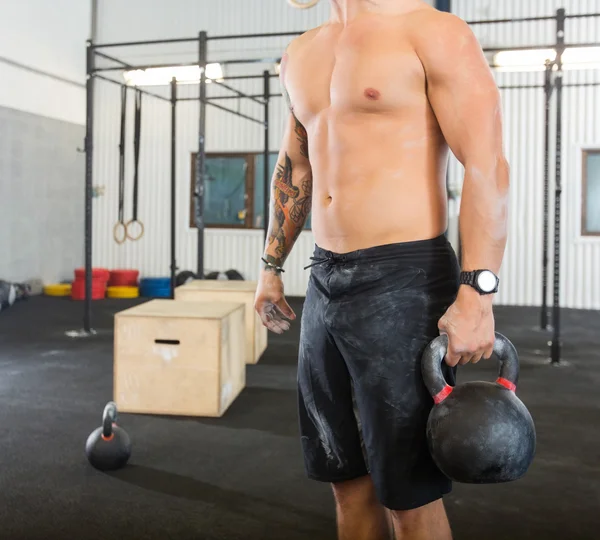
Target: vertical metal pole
[201,156]
[266,172]
[443,5]
[173,183]
[560,49]
[89,172]
[94,21]
[548,87]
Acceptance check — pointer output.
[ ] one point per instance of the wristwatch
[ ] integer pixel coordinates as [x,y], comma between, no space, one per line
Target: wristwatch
[483,281]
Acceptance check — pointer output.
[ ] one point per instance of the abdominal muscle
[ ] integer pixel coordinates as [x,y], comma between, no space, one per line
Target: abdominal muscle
[376,180]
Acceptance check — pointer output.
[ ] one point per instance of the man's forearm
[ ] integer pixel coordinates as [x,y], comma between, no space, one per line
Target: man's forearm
[484,217]
[291,199]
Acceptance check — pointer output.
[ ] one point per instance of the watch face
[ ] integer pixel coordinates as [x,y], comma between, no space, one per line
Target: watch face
[486,281]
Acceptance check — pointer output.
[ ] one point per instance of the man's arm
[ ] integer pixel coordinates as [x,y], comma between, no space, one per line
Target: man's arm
[466,102]
[291,188]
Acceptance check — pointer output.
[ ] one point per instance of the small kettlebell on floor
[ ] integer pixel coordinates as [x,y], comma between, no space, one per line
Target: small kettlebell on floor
[478,432]
[108,448]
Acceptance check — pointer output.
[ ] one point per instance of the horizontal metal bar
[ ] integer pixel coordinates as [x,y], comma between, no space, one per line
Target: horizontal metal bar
[147,66]
[518,19]
[226,78]
[217,98]
[112,59]
[241,115]
[515,48]
[112,68]
[250,61]
[582,45]
[247,36]
[539,47]
[238,92]
[581,85]
[134,87]
[582,15]
[246,77]
[235,97]
[541,86]
[521,86]
[137,43]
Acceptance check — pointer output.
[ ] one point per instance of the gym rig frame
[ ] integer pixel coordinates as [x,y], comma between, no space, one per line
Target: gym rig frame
[553,84]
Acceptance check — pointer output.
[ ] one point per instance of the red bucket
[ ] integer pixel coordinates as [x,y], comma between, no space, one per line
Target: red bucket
[78,289]
[100,274]
[123,278]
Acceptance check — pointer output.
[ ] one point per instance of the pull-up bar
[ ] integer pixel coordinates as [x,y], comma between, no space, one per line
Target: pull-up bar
[539,47]
[139,43]
[251,36]
[146,66]
[531,19]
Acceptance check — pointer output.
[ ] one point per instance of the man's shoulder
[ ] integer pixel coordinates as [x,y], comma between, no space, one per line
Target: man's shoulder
[298,42]
[427,22]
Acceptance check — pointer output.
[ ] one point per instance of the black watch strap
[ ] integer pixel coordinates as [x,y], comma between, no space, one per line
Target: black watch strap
[468,278]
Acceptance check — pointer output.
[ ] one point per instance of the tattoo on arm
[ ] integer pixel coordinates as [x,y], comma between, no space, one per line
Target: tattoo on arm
[290,204]
[302,137]
[299,129]
[290,208]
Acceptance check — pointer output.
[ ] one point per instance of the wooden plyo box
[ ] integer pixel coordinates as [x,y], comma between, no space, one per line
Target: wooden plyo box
[231,291]
[179,358]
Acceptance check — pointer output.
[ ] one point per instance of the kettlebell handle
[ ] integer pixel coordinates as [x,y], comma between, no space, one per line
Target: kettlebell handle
[109,417]
[431,366]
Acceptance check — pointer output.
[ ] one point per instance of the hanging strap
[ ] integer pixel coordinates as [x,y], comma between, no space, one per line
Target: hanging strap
[136,166]
[120,230]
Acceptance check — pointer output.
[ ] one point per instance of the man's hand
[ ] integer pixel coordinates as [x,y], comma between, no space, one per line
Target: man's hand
[270,304]
[469,325]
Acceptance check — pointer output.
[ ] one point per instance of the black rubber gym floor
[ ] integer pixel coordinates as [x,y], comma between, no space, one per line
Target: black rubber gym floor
[241,476]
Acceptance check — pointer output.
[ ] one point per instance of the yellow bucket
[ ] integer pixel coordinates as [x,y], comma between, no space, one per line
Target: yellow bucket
[58,289]
[122,292]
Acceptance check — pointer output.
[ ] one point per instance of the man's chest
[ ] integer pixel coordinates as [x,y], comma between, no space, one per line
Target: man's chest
[356,70]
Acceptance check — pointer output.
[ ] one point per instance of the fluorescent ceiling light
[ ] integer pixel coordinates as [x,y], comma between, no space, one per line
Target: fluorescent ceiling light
[162,76]
[535,59]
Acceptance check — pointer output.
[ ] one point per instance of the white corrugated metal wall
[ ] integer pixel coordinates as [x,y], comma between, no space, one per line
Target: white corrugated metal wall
[523,110]
[524,135]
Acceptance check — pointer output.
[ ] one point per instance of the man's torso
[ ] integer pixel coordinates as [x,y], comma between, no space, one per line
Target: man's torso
[376,150]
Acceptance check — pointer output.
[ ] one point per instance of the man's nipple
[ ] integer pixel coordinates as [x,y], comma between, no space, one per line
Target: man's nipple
[372,94]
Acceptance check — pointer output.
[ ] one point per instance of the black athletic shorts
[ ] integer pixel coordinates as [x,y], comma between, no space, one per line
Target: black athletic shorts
[363,406]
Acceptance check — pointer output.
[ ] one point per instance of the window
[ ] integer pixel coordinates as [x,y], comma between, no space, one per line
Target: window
[233,190]
[590,225]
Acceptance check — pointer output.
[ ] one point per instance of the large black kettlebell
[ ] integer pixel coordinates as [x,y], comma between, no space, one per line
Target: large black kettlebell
[478,432]
[108,448]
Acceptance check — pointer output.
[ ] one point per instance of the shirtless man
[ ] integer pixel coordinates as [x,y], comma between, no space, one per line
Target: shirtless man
[377,96]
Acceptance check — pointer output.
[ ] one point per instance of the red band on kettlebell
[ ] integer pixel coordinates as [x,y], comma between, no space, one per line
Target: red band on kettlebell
[109,438]
[437,399]
[507,384]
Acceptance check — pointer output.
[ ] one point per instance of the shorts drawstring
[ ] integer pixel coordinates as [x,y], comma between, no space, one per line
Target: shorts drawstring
[329,258]
[317,262]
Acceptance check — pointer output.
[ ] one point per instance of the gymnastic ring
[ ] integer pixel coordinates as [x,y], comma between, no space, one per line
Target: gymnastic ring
[120,226]
[303,5]
[129,224]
